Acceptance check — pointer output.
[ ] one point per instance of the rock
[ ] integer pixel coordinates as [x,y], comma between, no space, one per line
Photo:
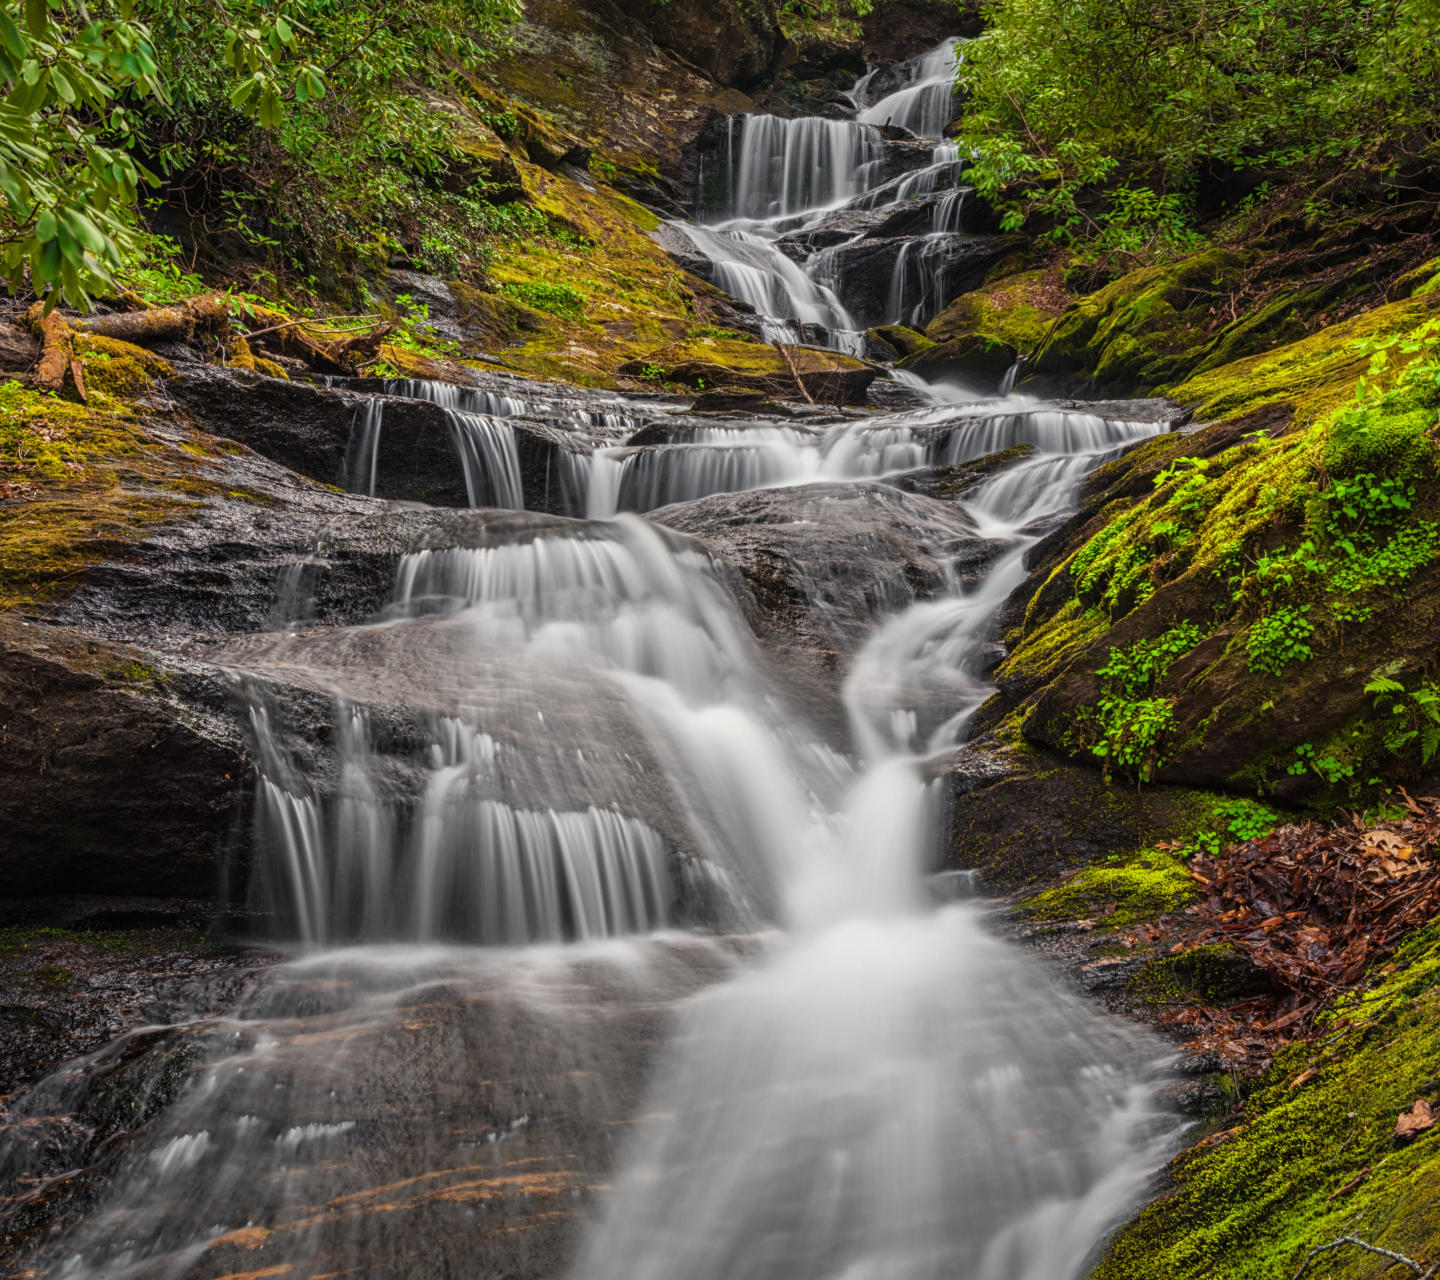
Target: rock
[972,360]
[733,400]
[737,45]
[943,267]
[949,483]
[823,54]
[903,341]
[320,432]
[18,349]
[905,29]
[119,772]
[723,364]
[1020,815]
[815,566]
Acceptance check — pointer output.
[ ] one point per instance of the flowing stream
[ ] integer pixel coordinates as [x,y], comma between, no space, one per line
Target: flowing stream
[602,962]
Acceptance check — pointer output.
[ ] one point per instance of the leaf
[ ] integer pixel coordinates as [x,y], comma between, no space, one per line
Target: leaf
[11,38]
[37,17]
[45,226]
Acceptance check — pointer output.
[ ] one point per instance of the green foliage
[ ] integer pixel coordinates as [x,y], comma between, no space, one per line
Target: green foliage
[561,300]
[345,142]
[67,181]
[1130,720]
[1235,821]
[1416,715]
[1066,94]
[1327,765]
[1279,639]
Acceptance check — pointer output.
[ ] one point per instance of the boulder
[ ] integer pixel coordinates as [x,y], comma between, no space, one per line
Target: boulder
[119,772]
[817,566]
[736,44]
[717,363]
[320,432]
[973,360]
[904,342]
[905,29]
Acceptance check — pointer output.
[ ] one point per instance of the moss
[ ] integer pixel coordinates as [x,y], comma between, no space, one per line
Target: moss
[115,368]
[1016,309]
[1141,889]
[1316,374]
[1252,1206]
[1212,974]
[96,482]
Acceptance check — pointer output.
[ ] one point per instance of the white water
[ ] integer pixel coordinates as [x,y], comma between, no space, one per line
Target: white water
[786,176]
[926,105]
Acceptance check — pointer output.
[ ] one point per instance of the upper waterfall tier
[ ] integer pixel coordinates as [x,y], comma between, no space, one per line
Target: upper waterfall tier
[816,222]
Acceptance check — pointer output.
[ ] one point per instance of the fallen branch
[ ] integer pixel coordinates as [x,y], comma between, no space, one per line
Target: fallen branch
[1400,1258]
[794,372]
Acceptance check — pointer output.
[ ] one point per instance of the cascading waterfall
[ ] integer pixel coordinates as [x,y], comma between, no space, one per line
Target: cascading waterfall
[926,105]
[785,178]
[569,865]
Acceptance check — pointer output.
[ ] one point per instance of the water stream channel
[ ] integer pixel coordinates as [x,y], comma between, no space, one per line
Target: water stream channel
[608,963]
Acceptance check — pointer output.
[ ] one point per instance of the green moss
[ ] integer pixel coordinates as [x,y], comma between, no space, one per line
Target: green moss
[1015,309]
[1251,1207]
[1142,889]
[1212,974]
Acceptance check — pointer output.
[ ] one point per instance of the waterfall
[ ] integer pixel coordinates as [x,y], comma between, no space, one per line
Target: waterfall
[598,954]
[362,450]
[925,105]
[775,178]
[489,459]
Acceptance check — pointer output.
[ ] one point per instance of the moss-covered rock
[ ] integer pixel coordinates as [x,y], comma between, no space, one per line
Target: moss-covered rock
[973,357]
[117,368]
[1312,1156]
[902,341]
[1217,608]
[711,363]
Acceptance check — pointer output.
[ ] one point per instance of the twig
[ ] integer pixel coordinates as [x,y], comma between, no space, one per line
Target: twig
[794,373]
[1415,1267]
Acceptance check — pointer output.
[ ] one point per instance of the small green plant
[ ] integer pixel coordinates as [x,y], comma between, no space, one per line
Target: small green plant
[1278,639]
[1327,766]
[561,300]
[1130,720]
[652,373]
[1416,716]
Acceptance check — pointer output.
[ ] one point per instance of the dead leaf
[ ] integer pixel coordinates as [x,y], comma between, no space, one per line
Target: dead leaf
[1415,1121]
[1304,1077]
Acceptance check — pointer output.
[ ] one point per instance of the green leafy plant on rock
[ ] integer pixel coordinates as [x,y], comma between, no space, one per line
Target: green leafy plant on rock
[1130,721]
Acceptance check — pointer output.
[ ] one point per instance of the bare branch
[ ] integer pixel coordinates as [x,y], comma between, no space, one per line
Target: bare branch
[1415,1268]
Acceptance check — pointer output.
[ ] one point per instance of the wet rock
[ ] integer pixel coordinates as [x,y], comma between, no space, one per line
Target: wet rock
[118,771]
[905,29]
[1021,816]
[948,483]
[950,265]
[971,360]
[816,566]
[319,431]
[903,341]
[732,400]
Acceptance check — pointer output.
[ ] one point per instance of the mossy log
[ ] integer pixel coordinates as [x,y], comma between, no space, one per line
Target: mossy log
[212,314]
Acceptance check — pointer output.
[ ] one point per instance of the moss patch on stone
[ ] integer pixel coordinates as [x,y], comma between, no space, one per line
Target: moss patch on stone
[92,481]
[1118,895]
